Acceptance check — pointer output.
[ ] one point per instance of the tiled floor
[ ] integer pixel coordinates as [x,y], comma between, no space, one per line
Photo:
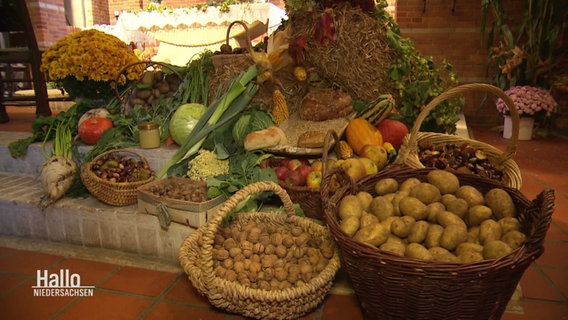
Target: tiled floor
[141,291]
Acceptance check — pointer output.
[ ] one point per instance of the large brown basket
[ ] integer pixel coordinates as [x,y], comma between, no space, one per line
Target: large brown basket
[195,256]
[112,193]
[408,153]
[390,286]
[242,60]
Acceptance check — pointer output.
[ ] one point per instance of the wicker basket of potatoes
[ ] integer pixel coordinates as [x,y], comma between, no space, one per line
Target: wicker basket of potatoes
[261,264]
[431,244]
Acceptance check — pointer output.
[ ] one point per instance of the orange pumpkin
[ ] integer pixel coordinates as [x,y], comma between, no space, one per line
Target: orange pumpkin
[360,132]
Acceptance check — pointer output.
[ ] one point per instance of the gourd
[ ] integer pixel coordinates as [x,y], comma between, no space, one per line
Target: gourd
[360,132]
[280,110]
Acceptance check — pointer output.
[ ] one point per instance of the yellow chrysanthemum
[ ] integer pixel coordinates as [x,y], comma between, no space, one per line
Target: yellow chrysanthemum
[90,58]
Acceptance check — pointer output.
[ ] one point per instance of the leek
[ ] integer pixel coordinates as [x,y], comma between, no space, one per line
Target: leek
[229,105]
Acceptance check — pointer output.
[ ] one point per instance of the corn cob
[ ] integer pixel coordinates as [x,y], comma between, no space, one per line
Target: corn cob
[280,110]
[378,110]
[344,150]
[300,73]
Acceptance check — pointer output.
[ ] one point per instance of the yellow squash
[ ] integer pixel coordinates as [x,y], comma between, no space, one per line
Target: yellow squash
[360,132]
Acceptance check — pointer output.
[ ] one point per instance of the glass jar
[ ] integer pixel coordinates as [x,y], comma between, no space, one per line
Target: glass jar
[149,135]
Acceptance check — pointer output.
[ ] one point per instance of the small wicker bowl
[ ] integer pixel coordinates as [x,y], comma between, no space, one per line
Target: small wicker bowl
[113,193]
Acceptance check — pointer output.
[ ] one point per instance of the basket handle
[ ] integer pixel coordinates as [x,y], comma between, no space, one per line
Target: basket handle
[413,135]
[331,134]
[247,33]
[543,206]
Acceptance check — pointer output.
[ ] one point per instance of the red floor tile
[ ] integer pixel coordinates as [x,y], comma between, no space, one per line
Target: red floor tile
[105,306]
[139,281]
[27,262]
[166,311]
[538,310]
[10,281]
[535,285]
[21,304]
[184,292]
[342,307]
[559,278]
[91,272]
[555,254]
[558,231]
[5,251]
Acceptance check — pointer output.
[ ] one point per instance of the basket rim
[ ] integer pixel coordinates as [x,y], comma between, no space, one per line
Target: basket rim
[524,252]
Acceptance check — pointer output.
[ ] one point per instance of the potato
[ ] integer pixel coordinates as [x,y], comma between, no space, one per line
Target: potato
[473,234]
[382,208]
[500,202]
[386,185]
[453,235]
[446,198]
[396,201]
[433,209]
[417,251]
[464,247]
[410,206]
[495,249]
[388,221]
[350,206]
[390,196]
[440,254]
[374,234]
[418,231]
[433,236]
[393,247]
[445,181]
[457,206]
[350,225]
[407,184]
[514,239]
[367,219]
[477,214]
[365,199]
[401,226]
[471,195]
[425,192]
[446,218]
[489,230]
[470,256]
[509,224]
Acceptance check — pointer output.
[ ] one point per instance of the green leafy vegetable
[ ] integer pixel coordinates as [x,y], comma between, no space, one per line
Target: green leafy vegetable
[253,119]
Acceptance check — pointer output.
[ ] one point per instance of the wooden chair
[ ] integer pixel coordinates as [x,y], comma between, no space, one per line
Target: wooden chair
[24,57]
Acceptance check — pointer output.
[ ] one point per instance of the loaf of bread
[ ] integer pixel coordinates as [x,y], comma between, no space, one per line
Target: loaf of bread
[311,139]
[269,137]
[325,104]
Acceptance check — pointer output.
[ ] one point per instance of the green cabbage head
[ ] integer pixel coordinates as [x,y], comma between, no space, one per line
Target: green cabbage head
[184,120]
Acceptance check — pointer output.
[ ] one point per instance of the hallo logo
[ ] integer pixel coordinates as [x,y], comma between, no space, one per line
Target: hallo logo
[60,284]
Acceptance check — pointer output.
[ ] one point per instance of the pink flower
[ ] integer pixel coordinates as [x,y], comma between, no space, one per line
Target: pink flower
[528,101]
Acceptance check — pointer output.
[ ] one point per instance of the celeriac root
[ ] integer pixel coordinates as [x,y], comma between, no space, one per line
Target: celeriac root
[56,176]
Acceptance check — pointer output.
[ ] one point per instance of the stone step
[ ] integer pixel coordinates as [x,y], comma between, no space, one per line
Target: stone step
[85,222]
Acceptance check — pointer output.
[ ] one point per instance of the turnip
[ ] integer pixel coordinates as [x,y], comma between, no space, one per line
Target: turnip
[58,171]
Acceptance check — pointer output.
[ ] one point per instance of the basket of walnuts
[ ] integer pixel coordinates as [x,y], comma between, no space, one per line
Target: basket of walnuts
[261,264]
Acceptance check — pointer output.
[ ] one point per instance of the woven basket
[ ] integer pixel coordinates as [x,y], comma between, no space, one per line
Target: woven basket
[241,59]
[112,193]
[308,198]
[408,153]
[195,256]
[394,287]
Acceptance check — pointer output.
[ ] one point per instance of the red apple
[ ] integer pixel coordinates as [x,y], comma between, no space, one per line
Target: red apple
[393,131]
[294,178]
[294,163]
[305,169]
[284,162]
[280,172]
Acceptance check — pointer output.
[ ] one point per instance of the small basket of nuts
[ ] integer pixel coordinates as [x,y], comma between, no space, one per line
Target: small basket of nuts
[458,154]
[261,264]
[114,176]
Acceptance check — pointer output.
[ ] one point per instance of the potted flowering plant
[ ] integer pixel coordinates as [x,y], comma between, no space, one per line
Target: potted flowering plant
[87,64]
[531,103]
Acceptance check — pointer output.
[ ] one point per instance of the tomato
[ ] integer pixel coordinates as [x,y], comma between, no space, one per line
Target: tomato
[91,129]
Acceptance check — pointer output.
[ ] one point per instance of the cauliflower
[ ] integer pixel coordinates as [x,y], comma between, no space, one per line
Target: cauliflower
[206,164]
